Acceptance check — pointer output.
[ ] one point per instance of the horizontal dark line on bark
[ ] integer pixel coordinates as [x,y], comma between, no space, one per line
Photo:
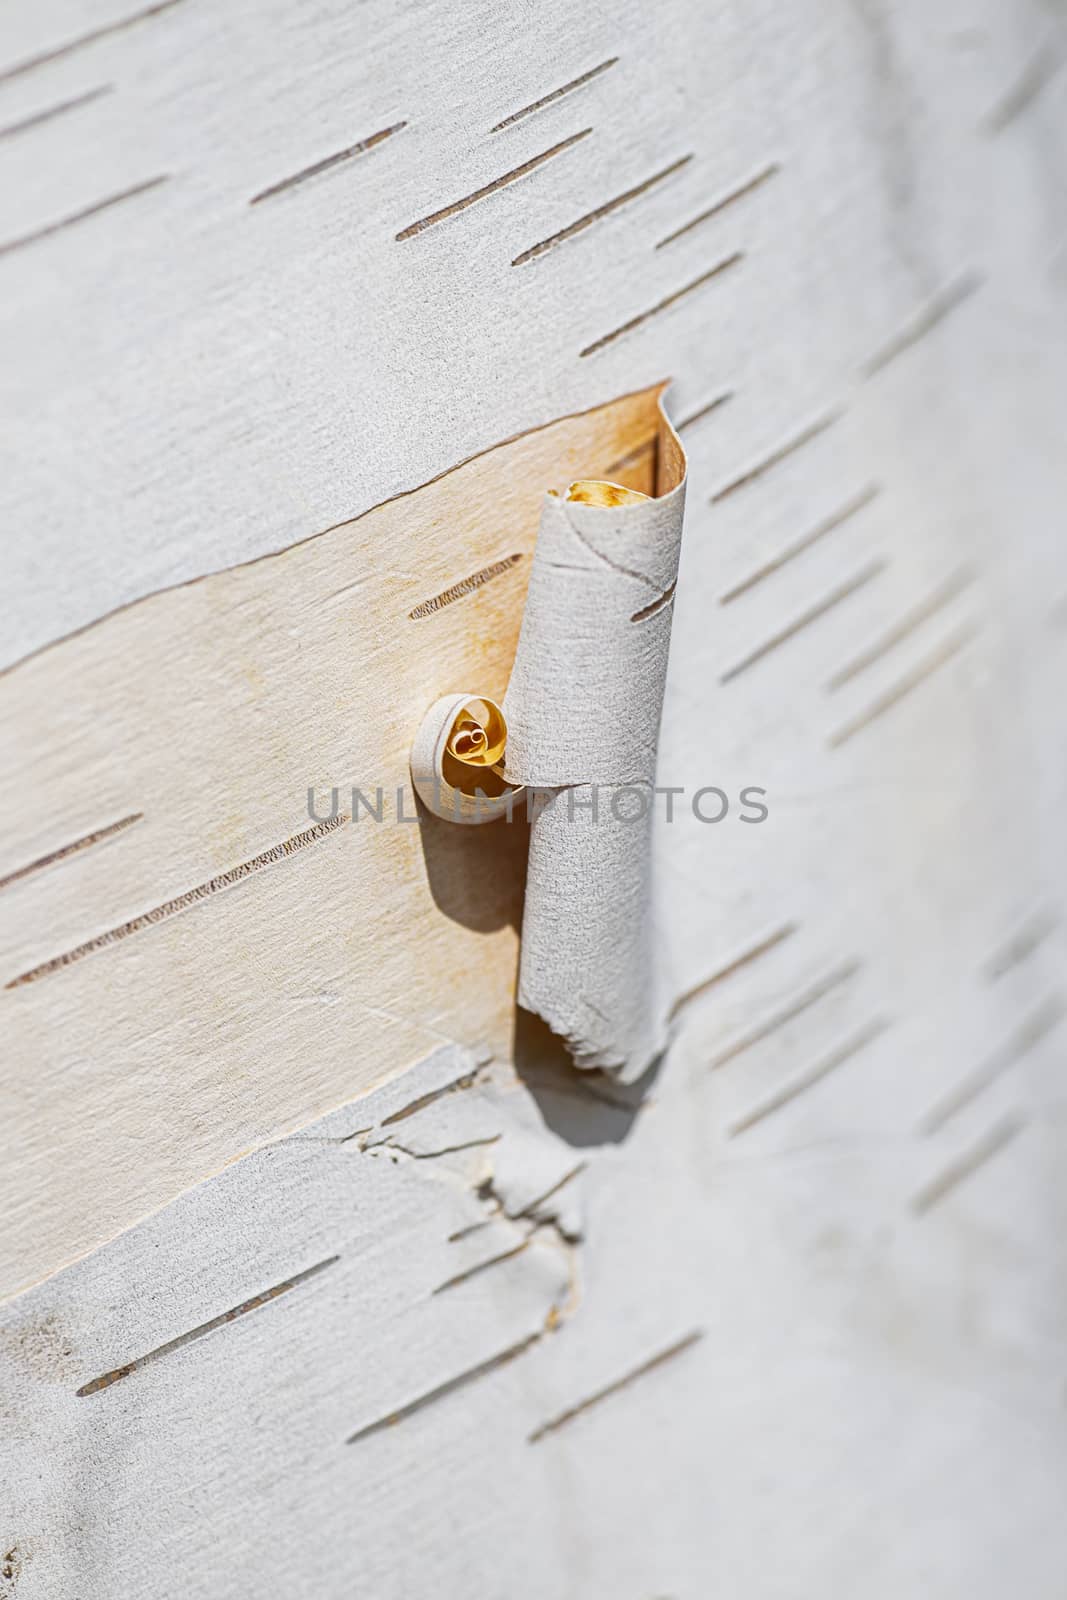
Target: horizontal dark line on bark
[781,453]
[86,841]
[893,696]
[494,187]
[328,163]
[37,118]
[663,305]
[7,73]
[75,217]
[726,200]
[601,211]
[658,1360]
[964,1166]
[554,95]
[108,1378]
[182,902]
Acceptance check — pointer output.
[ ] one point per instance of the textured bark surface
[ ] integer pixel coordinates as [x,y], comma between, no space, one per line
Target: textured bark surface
[794,1327]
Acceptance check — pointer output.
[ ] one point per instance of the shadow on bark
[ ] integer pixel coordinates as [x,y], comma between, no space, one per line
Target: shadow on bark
[584,1108]
[477,875]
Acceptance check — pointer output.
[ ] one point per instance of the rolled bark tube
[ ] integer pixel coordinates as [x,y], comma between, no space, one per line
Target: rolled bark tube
[583,710]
